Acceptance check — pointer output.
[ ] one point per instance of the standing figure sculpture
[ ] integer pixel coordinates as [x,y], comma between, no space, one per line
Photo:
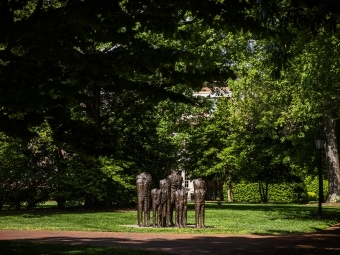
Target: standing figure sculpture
[143,182]
[164,186]
[156,207]
[181,196]
[175,180]
[199,191]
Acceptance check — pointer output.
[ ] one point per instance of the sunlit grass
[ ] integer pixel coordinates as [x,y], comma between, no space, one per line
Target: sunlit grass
[228,219]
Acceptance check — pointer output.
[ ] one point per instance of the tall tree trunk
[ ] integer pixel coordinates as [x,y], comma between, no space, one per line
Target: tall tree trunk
[263,189]
[61,198]
[332,155]
[2,201]
[93,107]
[61,202]
[230,189]
[93,112]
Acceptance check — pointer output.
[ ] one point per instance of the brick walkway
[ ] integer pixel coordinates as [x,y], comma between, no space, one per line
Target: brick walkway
[323,242]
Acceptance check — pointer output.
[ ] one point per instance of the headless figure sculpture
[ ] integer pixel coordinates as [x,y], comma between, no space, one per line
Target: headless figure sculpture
[143,182]
[199,191]
[181,196]
[156,207]
[164,186]
[175,183]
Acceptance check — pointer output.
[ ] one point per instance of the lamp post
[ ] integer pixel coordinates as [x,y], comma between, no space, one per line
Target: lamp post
[320,143]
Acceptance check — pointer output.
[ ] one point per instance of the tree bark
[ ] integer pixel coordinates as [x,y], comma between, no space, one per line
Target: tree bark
[93,107]
[263,189]
[230,189]
[61,202]
[332,155]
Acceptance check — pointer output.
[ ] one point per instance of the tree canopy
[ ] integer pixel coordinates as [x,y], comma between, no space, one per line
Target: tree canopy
[57,53]
[106,80]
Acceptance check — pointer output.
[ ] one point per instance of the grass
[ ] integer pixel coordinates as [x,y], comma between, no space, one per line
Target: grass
[229,218]
[27,248]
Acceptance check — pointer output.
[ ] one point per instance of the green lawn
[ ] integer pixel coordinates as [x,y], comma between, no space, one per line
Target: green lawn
[28,248]
[230,218]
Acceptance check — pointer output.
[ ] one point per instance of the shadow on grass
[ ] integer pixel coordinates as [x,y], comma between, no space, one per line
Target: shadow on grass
[52,211]
[284,232]
[285,211]
[173,244]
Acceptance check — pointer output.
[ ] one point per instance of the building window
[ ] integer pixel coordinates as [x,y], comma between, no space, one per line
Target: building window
[186,181]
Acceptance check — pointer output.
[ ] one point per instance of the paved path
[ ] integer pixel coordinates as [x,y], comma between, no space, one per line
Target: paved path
[323,242]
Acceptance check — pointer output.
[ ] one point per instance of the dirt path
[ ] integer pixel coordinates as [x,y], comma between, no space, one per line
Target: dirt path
[323,242]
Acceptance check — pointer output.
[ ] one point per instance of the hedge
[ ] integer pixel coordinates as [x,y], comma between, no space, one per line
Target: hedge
[312,184]
[283,192]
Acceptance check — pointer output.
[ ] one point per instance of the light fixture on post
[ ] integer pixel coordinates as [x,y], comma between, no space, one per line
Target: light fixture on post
[320,144]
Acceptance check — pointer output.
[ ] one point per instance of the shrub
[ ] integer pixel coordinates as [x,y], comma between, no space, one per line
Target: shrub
[283,192]
[311,196]
[312,184]
[287,192]
[74,203]
[244,192]
[218,201]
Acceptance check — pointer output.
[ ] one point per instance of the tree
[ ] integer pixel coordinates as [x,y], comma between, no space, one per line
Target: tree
[69,63]
[315,97]
[57,53]
[24,172]
[54,53]
[221,146]
[295,106]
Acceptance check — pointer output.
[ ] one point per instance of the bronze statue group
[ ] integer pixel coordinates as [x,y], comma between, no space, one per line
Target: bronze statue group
[170,197]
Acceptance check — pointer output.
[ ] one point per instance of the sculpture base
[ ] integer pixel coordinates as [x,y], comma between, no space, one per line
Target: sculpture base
[136,226]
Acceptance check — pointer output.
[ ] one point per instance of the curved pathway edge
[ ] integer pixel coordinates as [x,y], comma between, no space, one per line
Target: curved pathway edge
[322,242]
